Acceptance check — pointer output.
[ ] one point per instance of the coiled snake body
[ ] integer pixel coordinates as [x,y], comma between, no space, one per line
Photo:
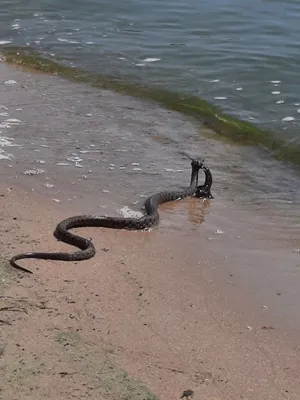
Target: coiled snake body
[150,217]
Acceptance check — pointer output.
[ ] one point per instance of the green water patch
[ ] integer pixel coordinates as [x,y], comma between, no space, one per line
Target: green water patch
[227,127]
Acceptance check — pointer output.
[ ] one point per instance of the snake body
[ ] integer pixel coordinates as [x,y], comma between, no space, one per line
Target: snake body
[150,217]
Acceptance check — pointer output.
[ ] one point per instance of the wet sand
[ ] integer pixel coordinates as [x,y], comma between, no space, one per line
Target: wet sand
[207,301]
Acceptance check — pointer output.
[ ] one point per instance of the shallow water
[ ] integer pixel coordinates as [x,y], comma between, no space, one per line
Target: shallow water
[73,142]
[241,57]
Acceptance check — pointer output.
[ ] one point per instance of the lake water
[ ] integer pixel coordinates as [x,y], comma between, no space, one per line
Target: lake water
[241,56]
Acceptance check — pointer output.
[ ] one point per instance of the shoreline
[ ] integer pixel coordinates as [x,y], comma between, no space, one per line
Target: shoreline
[156,310]
[220,126]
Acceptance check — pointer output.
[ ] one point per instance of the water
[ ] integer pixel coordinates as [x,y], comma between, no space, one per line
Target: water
[243,57]
[240,57]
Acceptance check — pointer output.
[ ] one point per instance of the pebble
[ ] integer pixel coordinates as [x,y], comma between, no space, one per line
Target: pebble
[219,232]
[31,172]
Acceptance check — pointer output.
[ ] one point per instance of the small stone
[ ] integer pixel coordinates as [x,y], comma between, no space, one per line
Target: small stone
[33,171]
[219,232]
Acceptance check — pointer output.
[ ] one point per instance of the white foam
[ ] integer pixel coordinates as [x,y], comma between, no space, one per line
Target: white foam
[279,101]
[13,121]
[15,26]
[239,88]
[136,169]
[275,92]
[67,40]
[5,156]
[4,107]
[127,212]
[10,82]
[140,65]
[5,41]
[220,98]
[74,159]
[3,114]
[276,82]
[287,119]
[149,59]
[7,142]
[215,80]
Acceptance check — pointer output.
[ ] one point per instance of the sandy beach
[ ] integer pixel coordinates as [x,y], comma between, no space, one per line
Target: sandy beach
[207,301]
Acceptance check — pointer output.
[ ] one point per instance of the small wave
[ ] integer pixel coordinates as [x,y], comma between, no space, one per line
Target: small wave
[67,40]
[149,59]
[288,119]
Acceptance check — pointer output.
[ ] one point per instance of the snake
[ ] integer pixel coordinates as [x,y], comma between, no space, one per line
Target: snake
[150,217]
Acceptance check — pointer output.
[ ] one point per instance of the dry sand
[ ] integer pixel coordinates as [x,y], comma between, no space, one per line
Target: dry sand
[146,309]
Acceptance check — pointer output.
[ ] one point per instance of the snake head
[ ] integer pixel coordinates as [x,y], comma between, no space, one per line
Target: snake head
[196,163]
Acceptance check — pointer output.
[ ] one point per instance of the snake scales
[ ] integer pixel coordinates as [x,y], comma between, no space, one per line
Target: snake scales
[150,217]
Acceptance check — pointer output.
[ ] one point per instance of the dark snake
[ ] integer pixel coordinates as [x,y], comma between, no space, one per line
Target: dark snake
[150,218]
